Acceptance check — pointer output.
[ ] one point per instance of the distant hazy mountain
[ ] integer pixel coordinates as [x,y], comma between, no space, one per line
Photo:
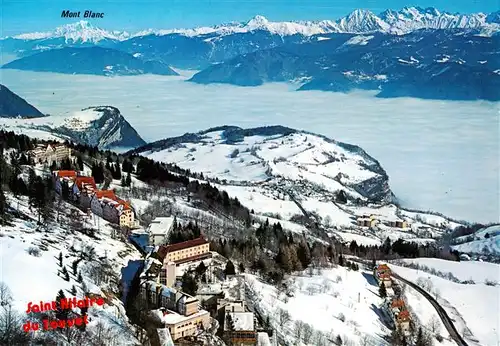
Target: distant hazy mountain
[13,106]
[440,64]
[89,60]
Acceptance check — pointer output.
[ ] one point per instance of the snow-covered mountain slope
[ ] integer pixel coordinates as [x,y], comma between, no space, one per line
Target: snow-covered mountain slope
[338,302]
[29,251]
[485,241]
[290,176]
[101,126]
[262,154]
[14,106]
[79,32]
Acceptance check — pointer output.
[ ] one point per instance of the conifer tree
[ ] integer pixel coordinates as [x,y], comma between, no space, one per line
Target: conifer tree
[118,171]
[79,162]
[382,290]
[80,278]
[61,313]
[73,290]
[60,258]
[229,270]
[75,267]
[128,181]
[3,205]
[65,273]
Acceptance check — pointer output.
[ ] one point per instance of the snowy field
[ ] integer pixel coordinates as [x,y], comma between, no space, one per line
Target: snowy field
[474,308]
[479,272]
[460,142]
[336,302]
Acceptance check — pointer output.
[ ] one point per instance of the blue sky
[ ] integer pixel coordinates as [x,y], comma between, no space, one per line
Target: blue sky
[20,16]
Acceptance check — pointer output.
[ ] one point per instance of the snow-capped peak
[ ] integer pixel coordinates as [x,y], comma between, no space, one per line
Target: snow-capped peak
[362,21]
[257,22]
[81,31]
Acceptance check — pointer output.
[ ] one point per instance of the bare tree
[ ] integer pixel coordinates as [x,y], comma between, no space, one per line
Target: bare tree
[11,327]
[283,317]
[320,338]
[299,329]
[307,333]
[5,294]
[103,335]
[326,286]
[434,324]
[437,293]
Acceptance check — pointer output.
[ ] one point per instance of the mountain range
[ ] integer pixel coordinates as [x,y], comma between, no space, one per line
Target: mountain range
[402,21]
[414,52]
[89,60]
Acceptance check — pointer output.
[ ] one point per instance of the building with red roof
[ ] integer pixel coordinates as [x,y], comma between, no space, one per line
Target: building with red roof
[83,190]
[106,204]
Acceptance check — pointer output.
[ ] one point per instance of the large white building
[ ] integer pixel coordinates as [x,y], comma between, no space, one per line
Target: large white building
[50,153]
[159,229]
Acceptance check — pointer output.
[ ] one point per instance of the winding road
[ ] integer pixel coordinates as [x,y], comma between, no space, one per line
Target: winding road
[448,323]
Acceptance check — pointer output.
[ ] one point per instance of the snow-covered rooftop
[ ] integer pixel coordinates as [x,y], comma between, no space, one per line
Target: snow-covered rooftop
[161,225]
[242,320]
[172,317]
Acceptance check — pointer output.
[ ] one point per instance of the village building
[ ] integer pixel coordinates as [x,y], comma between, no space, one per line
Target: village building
[65,178]
[231,305]
[382,274]
[366,222]
[397,305]
[395,223]
[181,326]
[167,275]
[105,204]
[82,191]
[403,320]
[181,313]
[190,252]
[239,328]
[50,153]
[159,229]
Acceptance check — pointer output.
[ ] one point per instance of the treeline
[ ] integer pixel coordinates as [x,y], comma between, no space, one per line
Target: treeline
[401,249]
[11,140]
[180,233]
[219,201]
[273,252]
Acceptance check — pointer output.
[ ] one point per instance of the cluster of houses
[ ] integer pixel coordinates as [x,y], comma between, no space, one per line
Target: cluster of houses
[372,220]
[49,153]
[396,305]
[83,191]
[181,313]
